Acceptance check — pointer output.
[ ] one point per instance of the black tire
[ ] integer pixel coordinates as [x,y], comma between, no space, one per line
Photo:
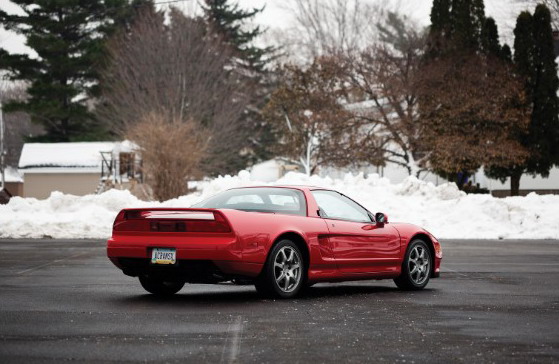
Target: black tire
[416,267]
[159,286]
[283,276]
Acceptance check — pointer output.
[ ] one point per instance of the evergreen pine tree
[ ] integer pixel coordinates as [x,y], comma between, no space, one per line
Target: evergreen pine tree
[524,49]
[506,53]
[544,128]
[67,37]
[467,17]
[456,26]
[523,66]
[228,22]
[478,15]
[440,28]
[440,16]
[534,61]
[490,38]
[472,35]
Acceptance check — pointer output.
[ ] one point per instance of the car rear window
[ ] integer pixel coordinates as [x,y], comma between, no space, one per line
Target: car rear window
[266,199]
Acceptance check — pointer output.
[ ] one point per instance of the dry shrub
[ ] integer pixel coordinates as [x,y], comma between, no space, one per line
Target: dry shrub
[171,152]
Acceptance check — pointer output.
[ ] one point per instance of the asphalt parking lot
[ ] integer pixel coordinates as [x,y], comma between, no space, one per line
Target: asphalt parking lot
[496,301]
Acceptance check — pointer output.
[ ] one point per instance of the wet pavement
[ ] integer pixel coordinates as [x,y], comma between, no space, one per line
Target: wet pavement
[496,301]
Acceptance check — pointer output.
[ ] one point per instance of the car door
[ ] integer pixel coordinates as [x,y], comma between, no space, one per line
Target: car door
[358,244]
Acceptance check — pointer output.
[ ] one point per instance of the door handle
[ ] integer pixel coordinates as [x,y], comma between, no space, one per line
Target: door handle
[368,227]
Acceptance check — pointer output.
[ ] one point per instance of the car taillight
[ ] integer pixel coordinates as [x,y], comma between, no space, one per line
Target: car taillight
[129,215]
[138,220]
[218,225]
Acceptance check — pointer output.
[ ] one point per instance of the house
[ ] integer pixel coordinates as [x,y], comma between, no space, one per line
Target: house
[271,170]
[397,174]
[528,183]
[73,168]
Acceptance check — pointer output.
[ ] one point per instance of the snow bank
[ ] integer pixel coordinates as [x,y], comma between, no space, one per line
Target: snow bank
[443,210]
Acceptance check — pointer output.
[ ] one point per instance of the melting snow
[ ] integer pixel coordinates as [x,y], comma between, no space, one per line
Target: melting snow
[443,210]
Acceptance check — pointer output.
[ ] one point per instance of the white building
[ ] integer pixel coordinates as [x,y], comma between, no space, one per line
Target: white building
[73,168]
[76,168]
[396,174]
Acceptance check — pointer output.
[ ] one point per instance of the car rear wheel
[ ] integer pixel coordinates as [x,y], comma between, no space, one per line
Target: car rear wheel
[160,286]
[416,268]
[284,273]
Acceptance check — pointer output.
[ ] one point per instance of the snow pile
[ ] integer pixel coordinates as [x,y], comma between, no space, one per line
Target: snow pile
[443,210]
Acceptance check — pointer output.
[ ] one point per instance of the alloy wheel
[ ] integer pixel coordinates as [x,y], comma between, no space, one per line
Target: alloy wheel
[287,269]
[419,264]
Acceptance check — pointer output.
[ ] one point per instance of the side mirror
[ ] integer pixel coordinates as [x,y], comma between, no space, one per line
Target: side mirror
[381,219]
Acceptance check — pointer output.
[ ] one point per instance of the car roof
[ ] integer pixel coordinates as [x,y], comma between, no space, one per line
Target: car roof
[298,187]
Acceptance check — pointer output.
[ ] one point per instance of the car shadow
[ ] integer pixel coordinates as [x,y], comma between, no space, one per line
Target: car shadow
[345,290]
[247,294]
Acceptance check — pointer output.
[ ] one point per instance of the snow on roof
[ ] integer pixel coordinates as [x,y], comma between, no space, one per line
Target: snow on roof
[126,146]
[11,175]
[74,155]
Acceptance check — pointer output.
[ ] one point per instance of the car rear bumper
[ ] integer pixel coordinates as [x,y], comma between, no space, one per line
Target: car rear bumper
[132,254]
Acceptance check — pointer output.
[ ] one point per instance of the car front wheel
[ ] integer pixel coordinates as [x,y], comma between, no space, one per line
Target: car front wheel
[284,273]
[416,268]
[160,286]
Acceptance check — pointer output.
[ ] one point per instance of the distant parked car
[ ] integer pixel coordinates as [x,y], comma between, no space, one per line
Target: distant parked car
[281,239]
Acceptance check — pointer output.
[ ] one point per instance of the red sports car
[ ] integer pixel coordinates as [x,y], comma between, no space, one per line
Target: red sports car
[281,239]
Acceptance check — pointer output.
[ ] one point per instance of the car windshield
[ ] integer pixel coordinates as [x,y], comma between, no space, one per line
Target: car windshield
[259,199]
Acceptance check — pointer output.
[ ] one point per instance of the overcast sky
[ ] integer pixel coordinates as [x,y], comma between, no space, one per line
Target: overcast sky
[277,16]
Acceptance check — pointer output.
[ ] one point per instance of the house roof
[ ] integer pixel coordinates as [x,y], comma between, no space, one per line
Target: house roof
[81,155]
[11,175]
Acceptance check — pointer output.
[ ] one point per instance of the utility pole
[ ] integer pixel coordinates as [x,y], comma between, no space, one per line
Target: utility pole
[3,181]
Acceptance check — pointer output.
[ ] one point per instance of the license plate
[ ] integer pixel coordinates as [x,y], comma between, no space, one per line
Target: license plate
[163,256]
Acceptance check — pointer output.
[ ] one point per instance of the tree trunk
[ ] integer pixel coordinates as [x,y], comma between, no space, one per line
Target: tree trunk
[515,184]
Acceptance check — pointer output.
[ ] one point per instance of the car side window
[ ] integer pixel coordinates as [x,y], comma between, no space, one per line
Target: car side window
[334,205]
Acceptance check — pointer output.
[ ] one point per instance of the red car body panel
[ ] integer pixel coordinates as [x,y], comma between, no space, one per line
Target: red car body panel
[336,250]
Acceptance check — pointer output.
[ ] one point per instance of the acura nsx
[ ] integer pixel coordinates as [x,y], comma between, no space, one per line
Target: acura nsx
[282,239]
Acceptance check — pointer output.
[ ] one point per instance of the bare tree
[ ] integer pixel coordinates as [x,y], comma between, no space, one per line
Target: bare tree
[171,152]
[308,116]
[384,79]
[385,104]
[18,125]
[328,27]
[371,98]
[174,70]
